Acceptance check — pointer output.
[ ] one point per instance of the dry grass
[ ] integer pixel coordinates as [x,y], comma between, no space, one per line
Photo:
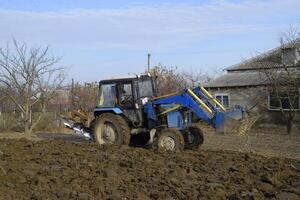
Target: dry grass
[10,122]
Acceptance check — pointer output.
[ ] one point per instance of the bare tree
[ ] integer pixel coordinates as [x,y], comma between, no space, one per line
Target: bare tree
[170,79]
[31,77]
[280,71]
[84,96]
[195,78]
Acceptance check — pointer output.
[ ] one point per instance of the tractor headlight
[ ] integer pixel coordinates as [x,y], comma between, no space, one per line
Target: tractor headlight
[145,100]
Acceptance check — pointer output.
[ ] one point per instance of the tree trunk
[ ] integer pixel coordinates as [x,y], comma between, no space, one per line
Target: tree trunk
[27,128]
[27,119]
[289,124]
[33,124]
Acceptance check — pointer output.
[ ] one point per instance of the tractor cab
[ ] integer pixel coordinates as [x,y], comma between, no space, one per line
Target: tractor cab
[125,95]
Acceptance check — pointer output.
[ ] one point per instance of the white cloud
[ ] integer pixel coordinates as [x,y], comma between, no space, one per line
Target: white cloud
[137,27]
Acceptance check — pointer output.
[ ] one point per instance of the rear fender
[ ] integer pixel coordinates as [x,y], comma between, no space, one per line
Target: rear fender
[99,111]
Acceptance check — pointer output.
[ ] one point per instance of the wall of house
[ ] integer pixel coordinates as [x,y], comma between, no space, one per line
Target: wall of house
[254,100]
[251,98]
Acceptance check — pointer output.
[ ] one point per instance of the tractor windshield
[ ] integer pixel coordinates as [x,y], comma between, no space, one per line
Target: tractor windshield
[145,88]
[107,95]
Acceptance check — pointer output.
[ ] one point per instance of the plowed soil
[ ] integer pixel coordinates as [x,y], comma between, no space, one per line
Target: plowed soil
[56,169]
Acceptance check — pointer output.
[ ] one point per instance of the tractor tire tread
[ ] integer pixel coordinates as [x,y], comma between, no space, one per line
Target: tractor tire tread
[199,136]
[120,123]
[173,132]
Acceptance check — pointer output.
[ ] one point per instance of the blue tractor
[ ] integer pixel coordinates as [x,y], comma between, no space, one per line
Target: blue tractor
[129,111]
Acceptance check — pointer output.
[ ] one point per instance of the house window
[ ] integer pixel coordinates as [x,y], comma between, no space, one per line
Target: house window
[223,99]
[286,101]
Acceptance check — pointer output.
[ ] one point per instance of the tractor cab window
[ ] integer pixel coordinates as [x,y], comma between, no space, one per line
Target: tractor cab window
[107,95]
[126,95]
[145,88]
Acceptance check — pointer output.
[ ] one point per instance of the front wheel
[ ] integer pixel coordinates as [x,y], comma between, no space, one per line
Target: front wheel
[193,138]
[170,140]
[109,128]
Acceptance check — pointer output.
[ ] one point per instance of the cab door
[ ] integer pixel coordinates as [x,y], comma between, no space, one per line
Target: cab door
[126,100]
[125,95]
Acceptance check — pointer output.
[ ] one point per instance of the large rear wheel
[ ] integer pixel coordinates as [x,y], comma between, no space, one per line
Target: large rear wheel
[193,138]
[170,140]
[109,128]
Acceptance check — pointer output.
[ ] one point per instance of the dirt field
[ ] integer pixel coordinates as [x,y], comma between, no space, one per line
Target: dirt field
[265,144]
[69,168]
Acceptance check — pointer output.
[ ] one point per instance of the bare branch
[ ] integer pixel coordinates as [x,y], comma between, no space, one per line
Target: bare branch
[282,75]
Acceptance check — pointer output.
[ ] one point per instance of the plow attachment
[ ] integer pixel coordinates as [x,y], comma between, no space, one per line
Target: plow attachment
[78,128]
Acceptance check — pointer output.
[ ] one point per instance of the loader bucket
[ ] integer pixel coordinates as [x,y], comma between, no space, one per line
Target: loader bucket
[227,122]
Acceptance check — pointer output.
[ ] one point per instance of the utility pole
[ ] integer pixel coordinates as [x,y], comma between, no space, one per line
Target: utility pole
[149,56]
[72,95]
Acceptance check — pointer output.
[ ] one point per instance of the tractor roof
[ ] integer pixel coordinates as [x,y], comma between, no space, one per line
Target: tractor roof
[125,78]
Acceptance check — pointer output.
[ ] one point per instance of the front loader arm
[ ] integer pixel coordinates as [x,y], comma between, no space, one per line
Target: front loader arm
[200,102]
[186,100]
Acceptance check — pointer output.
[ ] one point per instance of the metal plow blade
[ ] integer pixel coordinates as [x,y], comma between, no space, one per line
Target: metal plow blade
[78,128]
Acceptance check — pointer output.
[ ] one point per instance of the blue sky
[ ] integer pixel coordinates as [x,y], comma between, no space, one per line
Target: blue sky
[98,39]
